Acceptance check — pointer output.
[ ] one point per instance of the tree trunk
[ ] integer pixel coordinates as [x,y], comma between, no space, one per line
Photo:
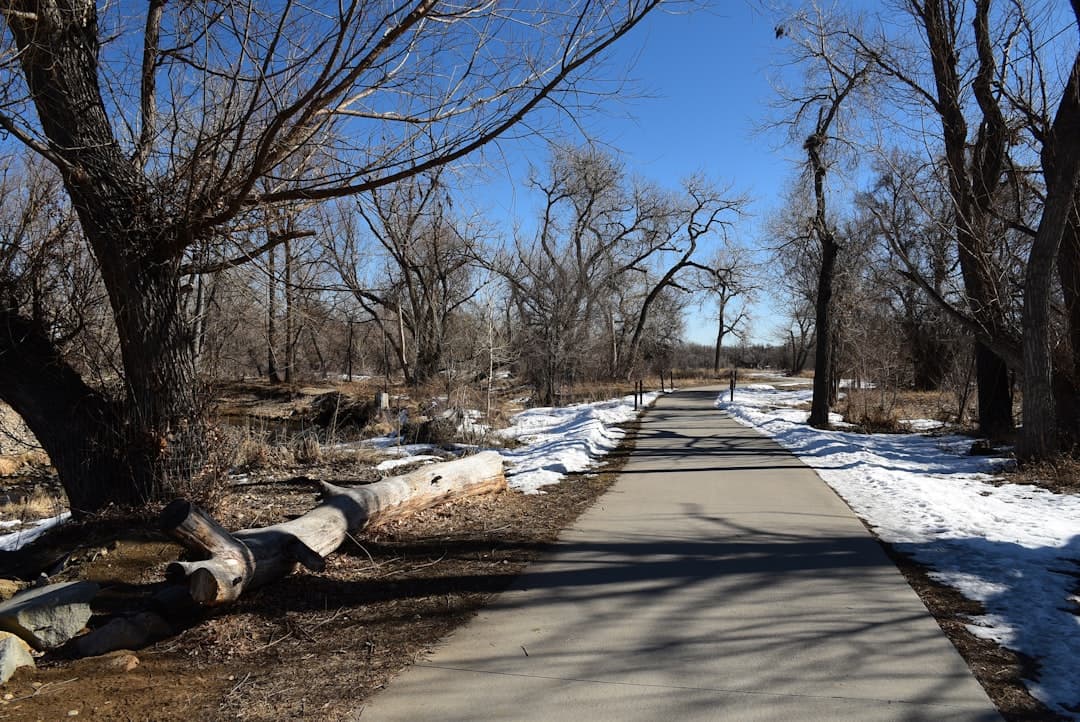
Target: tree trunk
[250,558]
[1067,369]
[271,318]
[994,393]
[165,434]
[823,358]
[1061,167]
[158,433]
[972,187]
[290,320]
[719,341]
[76,425]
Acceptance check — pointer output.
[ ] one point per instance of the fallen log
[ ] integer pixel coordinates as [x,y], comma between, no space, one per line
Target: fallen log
[247,559]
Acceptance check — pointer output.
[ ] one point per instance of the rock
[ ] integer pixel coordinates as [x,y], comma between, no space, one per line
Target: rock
[124,633]
[9,588]
[14,653]
[48,616]
[121,661]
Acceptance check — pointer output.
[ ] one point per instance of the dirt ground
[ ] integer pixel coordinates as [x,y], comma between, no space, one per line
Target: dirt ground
[312,645]
[315,645]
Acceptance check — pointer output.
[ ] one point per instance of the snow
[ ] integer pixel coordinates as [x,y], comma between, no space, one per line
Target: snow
[920,425]
[553,442]
[559,441]
[405,461]
[18,539]
[470,426]
[1013,548]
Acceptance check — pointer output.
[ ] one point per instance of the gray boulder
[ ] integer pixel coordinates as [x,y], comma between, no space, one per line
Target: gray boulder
[14,653]
[48,616]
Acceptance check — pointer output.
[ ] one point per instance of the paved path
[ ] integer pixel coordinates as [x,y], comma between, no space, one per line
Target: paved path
[719,579]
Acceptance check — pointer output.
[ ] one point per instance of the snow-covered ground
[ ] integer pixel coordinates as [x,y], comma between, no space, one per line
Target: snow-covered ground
[553,442]
[1015,549]
[558,441]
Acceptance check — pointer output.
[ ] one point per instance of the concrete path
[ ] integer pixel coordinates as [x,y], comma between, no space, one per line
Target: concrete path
[720,579]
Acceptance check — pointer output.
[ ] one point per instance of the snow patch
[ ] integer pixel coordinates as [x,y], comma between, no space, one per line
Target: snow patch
[405,461]
[559,441]
[18,539]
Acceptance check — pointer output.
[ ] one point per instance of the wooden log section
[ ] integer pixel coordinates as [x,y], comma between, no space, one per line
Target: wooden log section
[247,559]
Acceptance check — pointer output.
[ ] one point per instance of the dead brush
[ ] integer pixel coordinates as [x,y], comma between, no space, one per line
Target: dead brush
[249,450]
[1059,474]
[871,412]
[306,448]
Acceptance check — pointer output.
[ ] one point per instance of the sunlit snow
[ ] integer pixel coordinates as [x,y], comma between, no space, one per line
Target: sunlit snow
[558,441]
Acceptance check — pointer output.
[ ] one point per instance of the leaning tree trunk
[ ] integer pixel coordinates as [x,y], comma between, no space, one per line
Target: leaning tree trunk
[248,559]
[75,425]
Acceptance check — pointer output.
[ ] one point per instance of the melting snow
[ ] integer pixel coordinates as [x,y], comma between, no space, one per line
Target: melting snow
[558,441]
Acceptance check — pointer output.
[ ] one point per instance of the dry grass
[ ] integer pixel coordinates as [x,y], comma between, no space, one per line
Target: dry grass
[307,449]
[1060,475]
[878,411]
[39,503]
[12,464]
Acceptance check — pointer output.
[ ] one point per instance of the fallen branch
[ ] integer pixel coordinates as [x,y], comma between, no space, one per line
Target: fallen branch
[248,559]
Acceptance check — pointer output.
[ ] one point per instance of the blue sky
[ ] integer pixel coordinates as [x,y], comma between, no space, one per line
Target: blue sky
[701,87]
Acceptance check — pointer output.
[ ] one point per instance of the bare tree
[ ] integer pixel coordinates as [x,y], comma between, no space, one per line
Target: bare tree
[428,273]
[700,212]
[833,75]
[1006,52]
[910,214]
[728,275]
[230,108]
[975,142]
[606,251]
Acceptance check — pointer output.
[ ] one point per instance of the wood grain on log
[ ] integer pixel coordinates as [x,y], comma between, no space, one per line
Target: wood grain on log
[250,558]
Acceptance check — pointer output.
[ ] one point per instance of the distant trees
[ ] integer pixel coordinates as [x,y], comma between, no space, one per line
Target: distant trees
[606,255]
[428,266]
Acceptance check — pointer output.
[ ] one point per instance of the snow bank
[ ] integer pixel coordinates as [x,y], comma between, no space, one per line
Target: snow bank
[558,441]
[1013,548]
[554,441]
